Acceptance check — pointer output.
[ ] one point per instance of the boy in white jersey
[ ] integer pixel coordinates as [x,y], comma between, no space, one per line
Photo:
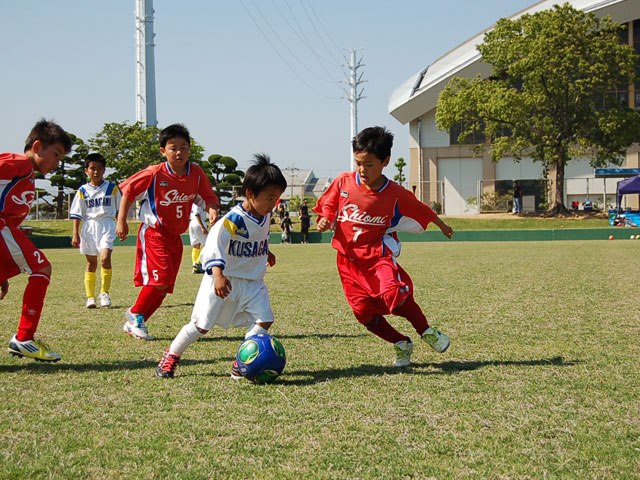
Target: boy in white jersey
[95,206]
[198,232]
[235,259]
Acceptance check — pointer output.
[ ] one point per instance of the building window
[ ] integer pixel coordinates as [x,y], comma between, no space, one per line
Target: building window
[454,136]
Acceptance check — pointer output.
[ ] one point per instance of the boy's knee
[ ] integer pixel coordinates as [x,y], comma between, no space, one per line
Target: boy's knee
[44,270]
[367,320]
[395,298]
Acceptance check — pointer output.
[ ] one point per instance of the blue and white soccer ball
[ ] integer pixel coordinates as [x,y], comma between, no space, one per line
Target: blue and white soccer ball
[261,358]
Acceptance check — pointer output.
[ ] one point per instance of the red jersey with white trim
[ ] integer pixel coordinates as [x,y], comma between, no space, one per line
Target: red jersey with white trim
[165,197]
[17,187]
[366,219]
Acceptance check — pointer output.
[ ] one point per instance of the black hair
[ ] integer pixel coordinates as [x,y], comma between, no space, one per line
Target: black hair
[95,157]
[375,140]
[177,130]
[262,174]
[49,133]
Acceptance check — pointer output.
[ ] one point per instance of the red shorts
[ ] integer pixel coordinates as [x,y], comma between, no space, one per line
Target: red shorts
[373,287]
[18,254]
[158,258]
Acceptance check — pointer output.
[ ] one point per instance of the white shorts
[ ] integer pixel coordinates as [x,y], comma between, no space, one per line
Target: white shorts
[96,235]
[247,304]
[195,234]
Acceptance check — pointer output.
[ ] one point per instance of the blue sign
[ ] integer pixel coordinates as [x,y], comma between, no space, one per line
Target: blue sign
[617,172]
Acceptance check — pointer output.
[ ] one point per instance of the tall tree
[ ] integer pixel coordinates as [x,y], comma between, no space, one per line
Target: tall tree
[68,176]
[225,177]
[129,148]
[550,93]
[399,177]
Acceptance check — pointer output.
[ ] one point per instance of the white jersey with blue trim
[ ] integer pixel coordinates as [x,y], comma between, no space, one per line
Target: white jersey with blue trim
[238,243]
[94,202]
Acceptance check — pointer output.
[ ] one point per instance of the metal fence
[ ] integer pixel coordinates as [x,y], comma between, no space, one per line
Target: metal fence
[492,195]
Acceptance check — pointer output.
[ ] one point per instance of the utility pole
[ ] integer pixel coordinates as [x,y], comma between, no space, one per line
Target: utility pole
[145,65]
[354,80]
[294,176]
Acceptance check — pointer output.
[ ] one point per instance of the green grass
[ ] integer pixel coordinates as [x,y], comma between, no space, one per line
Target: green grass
[541,380]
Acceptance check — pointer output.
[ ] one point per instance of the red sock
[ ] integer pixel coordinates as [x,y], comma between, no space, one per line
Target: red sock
[32,303]
[412,312]
[383,329]
[149,299]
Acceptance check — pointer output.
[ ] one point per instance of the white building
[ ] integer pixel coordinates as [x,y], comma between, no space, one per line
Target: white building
[448,173]
[303,183]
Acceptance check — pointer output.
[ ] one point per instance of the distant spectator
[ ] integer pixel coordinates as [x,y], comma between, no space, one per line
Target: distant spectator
[305,221]
[285,225]
[517,197]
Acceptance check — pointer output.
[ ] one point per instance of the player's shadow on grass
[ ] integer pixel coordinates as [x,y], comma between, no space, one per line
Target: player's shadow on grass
[27,365]
[211,337]
[462,366]
[427,368]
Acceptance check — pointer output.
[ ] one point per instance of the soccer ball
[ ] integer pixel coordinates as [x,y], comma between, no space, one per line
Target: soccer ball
[261,358]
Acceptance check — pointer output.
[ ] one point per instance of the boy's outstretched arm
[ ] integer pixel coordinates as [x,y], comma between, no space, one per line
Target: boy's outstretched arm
[271,259]
[323,224]
[446,229]
[221,284]
[75,236]
[122,228]
[212,211]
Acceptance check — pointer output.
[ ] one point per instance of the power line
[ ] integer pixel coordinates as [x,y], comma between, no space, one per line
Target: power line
[299,32]
[315,14]
[313,24]
[271,44]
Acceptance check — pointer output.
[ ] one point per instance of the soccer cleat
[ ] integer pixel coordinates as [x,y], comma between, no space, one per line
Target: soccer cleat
[197,268]
[436,339]
[403,349]
[135,326]
[167,366]
[235,371]
[91,302]
[105,300]
[32,349]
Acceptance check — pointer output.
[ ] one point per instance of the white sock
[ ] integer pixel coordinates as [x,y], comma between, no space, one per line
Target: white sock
[255,330]
[186,336]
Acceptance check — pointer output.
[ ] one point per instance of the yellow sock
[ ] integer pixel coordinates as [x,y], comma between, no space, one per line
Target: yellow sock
[105,276]
[89,284]
[195,254]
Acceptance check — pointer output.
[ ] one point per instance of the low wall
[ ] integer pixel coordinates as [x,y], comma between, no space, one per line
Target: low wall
[42,241]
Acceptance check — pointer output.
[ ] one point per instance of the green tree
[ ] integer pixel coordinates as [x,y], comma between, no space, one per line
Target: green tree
[68,176]
[549,95]
[225,178]
[399,177]
[130,148]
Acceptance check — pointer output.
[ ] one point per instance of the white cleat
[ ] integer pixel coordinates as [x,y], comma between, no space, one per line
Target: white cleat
[105,300]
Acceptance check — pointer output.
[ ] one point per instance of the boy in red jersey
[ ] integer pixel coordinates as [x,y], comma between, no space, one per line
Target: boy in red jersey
[45,146]
[166,192]
[366,209]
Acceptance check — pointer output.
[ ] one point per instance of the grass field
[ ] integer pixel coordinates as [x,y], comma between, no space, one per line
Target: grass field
[541,380]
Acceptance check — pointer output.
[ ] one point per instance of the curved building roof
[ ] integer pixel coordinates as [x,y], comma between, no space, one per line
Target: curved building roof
[419,94]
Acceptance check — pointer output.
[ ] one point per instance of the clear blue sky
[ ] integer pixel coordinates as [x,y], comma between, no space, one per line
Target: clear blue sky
[74,61]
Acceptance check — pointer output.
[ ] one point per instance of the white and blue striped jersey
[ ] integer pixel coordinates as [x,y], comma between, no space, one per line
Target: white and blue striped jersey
[95,202]
[238,243]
